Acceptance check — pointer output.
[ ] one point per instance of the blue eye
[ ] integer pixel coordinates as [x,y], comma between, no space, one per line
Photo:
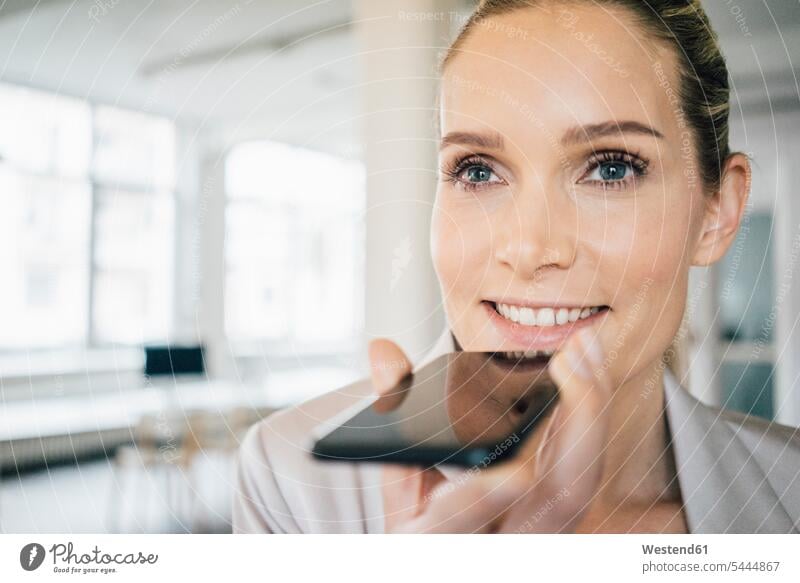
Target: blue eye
[478,173]
[609,172]
[472,173]
[612,170]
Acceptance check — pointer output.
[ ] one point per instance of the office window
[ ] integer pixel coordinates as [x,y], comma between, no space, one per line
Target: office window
[747,388]
[86,223]
[132,266]
[293,248]
[134,169]
[133,149]
[44,239]
[745,283]
[745,275]
[44,134]
[45,199]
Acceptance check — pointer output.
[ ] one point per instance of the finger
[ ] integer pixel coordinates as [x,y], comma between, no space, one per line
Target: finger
[559,476]
[406,491]
[567,454]
[388,367]
[581,423]
[473,506]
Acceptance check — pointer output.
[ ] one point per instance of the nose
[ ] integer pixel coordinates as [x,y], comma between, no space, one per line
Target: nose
[537,232]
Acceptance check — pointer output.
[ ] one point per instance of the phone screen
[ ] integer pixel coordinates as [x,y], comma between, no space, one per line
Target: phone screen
[459,409]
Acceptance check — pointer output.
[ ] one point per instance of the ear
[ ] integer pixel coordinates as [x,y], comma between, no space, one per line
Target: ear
[724,211]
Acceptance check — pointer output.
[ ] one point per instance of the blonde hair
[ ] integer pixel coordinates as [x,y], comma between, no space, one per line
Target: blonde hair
[703,92]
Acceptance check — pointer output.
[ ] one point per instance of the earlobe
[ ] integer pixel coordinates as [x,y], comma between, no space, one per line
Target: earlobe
[724,211]
[707,242]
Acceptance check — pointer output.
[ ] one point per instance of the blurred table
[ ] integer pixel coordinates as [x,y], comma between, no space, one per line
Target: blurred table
[51,430]
[40,432]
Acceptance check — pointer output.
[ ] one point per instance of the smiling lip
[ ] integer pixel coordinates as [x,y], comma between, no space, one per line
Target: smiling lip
[525,337]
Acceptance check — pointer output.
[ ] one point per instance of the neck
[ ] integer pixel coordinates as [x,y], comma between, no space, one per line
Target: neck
[639,465]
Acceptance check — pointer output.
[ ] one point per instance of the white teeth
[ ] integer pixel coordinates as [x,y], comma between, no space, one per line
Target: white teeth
[527,317]
[544,316]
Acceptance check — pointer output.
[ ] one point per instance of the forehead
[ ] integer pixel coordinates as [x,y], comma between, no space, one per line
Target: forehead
[559,66]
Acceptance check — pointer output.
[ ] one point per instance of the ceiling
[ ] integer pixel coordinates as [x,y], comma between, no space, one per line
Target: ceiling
[280,68]
[761,43]
[286,69]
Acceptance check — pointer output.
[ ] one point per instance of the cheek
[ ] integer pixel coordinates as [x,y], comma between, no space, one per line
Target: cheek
[644,261]
[667,268]
[651,241]
[460,248]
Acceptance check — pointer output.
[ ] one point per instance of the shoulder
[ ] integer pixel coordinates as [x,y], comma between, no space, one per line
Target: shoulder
[762,434]
[776,449]
[281,488]
[761,438]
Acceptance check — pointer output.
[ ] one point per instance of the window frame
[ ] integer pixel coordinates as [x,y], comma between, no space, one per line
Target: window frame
[95,186]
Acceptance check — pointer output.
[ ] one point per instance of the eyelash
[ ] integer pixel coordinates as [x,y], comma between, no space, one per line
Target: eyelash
[453,170]
[634,160]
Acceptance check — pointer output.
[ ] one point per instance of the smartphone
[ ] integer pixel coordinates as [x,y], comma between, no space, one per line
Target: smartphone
[463,409]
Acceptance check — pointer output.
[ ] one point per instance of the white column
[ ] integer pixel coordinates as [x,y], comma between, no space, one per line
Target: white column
[786,289]
[401,41]
[186,288]
[210,314]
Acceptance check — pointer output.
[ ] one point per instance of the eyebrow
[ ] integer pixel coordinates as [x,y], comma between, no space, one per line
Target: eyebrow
[585,133]
[574,135]
[488,141]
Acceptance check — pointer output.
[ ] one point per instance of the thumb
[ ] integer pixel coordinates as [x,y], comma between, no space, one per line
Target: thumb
[388,366]
[580,426]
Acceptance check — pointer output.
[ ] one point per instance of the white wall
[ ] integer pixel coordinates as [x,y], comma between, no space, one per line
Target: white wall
[402,41]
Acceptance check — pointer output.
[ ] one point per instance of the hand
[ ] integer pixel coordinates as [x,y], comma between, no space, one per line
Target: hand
[405,487]
[547,487]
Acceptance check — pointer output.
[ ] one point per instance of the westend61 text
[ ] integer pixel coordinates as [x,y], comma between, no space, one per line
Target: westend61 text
[675,550]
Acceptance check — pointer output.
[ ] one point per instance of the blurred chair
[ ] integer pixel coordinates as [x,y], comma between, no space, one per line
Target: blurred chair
[144,474]
[207,456]
[187,466]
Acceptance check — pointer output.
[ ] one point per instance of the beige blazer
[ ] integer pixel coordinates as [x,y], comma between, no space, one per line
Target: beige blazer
[737,474]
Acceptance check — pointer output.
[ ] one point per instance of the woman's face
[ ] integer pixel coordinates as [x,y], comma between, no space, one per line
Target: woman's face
[567,183]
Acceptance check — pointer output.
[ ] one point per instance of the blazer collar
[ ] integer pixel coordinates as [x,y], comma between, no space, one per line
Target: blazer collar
[722,486]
